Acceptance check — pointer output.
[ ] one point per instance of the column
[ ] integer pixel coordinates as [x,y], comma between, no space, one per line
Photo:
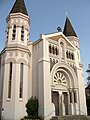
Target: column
[76,107]
[69,106]
[63,104]
[71,102]
[60,103]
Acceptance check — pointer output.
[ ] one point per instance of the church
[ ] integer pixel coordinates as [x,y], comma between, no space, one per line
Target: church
[49,68]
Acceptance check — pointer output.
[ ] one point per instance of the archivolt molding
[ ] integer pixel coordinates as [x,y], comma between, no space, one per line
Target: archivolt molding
[19,61]
[68,75]
[22,61]
[10,60]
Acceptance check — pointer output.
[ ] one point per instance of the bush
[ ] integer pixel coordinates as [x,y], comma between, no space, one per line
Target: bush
[32,107]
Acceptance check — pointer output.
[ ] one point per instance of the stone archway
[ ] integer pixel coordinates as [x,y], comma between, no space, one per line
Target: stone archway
[64,80]
[63,74]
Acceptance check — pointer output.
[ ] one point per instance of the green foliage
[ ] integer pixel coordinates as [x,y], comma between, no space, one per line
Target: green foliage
[32,107]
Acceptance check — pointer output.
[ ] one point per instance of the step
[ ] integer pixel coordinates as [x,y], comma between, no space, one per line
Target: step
[71,117]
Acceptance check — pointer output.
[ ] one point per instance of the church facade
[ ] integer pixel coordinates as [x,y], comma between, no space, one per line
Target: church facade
[49,68]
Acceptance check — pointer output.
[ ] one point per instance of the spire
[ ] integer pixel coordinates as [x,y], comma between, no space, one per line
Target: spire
[19,6]
[68,29]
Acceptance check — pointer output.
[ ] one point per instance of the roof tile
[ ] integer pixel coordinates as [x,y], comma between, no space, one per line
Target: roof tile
[19,6]
[68,29]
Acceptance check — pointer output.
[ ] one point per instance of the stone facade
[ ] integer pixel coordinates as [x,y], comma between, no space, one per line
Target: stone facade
[49,68]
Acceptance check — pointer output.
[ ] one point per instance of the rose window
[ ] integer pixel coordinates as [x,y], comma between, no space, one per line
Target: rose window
[59,78]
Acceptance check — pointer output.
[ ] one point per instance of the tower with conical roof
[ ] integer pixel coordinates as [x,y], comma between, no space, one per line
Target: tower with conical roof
[19,7]
[15,63]
[68,29]
[18,23]
[70,33]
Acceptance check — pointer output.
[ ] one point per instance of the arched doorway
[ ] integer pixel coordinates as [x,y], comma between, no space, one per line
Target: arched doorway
[60,102]
[64,82]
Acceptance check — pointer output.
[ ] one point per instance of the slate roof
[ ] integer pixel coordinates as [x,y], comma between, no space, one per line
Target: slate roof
[19,6]
[68,29]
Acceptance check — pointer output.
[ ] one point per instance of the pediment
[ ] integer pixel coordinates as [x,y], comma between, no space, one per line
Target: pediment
[58,36]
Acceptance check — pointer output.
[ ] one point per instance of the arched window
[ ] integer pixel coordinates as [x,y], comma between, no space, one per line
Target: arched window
[21,81]
[14,32]
[67,54]
[53,50]
[50,49]
[56,51]
[72,56]
[10,80]
[22,33]
[62,49]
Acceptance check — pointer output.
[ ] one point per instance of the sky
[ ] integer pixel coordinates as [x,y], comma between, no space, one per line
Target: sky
[47,15]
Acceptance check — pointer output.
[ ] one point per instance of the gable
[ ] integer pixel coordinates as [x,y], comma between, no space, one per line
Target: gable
[58,36]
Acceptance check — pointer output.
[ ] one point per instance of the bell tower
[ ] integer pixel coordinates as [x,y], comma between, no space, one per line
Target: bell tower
[17,25]
[15,63]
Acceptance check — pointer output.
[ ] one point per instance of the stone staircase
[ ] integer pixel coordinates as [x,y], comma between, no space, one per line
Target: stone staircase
[73,117]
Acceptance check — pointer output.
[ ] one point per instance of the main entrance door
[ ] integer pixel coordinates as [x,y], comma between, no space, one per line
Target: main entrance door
[55,100]
[60,102]
[65,102]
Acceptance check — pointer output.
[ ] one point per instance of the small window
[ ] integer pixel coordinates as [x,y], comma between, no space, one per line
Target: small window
[56,51]
[10,80]
[50,49]
[62,49]
[22,33]
[53,51]
[14,32]
[72,56]
[67,54]
[7,33]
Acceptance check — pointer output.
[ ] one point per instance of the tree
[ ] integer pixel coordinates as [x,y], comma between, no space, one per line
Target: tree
[88,71]
[32,107]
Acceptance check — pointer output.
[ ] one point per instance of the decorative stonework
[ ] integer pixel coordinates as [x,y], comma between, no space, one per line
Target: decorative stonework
[53,49]
[11,53]
[22,54]
[59,78]
[16,53]
[52,63]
